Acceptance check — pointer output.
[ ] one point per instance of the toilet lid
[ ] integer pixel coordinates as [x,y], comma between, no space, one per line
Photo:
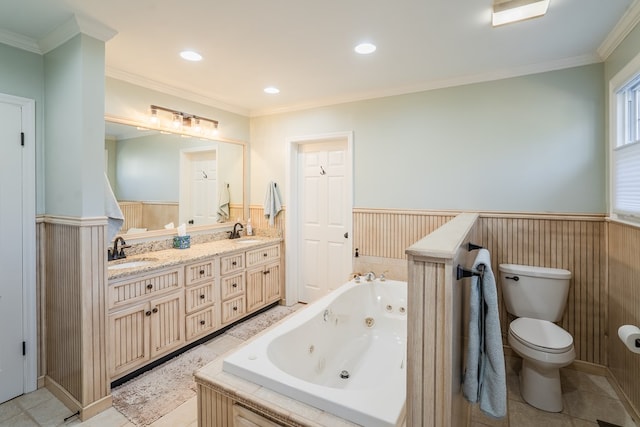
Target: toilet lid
[542,334]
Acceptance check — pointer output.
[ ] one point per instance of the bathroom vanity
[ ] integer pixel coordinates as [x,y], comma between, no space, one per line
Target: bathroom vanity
[162,301]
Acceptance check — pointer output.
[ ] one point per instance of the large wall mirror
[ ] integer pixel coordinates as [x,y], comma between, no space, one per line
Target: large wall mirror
[162,180]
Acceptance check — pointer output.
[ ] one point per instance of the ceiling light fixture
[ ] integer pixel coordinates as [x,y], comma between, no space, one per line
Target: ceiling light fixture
[190,55]
[365,48]
[183,122]
[271,90]
[508,11]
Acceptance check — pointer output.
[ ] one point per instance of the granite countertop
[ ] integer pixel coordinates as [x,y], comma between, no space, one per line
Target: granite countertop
[173,257]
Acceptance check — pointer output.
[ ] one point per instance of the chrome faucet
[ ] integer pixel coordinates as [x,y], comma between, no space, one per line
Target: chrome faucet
[235,234]
[114,254]
[370,276]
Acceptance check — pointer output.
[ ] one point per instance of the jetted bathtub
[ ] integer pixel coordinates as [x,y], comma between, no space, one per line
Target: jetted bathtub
[344,354]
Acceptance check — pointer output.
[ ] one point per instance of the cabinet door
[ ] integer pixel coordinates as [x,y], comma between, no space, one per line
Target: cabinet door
[128,339]
[272,282]
[167,323]
[255,289]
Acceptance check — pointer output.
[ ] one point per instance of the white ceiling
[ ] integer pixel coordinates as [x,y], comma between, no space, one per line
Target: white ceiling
[305,47]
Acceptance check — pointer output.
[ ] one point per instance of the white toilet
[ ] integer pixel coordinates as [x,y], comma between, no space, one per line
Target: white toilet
[537,296]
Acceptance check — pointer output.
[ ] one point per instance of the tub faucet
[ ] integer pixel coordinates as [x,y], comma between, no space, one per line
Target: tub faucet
[114,254]
[235,234]
[370,276]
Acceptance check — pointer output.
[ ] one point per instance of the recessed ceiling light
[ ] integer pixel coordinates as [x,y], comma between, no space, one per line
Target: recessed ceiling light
[190,55]
[271,90]
[365,48]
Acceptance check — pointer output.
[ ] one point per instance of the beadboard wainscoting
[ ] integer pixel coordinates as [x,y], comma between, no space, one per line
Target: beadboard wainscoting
[624,306]
[74,309]
[573,242]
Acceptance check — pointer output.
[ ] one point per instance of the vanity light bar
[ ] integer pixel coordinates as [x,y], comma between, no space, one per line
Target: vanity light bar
[187,119]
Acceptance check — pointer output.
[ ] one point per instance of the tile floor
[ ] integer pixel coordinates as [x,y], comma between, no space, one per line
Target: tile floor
[587,398]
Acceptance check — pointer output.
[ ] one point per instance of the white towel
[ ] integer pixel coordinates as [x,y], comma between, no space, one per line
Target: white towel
[115,218]
[223,204]
[272,202]
[485,377]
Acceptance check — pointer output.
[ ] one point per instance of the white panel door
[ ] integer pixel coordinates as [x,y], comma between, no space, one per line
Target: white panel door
[325,259]
[203,188]
[11,252]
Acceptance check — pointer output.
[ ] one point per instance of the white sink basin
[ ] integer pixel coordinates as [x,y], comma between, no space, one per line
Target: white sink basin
[131,264]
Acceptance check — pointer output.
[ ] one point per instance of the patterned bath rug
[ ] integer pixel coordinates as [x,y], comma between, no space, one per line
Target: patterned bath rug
[259,323]
[157,392]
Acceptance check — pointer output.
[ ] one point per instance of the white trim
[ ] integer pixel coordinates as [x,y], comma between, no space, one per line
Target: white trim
[75,25]
[19,41]
[29,310]
[148,83]
[292,221]
[75,221]
[627,23]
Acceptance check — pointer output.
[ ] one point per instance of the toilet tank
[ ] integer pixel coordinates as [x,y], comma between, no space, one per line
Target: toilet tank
[535,292]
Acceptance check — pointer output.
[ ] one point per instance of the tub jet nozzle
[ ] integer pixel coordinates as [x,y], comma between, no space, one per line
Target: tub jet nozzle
[344,375]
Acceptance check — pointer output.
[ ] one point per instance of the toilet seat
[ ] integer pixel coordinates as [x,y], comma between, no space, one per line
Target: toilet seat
[541,335]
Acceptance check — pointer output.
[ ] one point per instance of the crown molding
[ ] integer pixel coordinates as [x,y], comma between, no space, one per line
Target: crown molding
[77,24]
[440,84]
[627,23]
[19,41]
[172,90]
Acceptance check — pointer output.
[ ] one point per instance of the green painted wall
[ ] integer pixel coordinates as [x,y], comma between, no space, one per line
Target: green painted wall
[527,144]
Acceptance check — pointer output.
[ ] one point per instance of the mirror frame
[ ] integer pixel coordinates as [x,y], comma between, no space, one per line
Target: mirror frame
[157,234]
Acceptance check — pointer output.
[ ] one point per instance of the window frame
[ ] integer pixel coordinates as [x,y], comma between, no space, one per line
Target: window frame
[621,130]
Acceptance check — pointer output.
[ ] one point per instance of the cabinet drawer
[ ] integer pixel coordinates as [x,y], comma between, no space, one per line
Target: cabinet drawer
[125,292]
[233,309]
[259,256]
[201,323]
[232,286]
[231,263]
[200,296]
[199,272]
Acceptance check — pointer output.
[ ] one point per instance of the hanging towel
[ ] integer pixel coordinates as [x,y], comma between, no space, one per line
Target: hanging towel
[115,218]
[272,202]
[485,377]
[223,204]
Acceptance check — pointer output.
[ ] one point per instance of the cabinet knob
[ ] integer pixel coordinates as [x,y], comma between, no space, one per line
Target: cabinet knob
[265,254]
[147,313]
[202,322]
[150,286]
[155,309]
[234,263]
[202,297]
[266,272]
[201,272]
[235,308]
[235,285]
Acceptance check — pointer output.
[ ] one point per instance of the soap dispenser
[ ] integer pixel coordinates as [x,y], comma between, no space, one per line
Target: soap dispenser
[249,228]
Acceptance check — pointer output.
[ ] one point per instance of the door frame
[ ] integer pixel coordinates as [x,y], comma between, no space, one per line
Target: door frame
[292,219]
[29,300]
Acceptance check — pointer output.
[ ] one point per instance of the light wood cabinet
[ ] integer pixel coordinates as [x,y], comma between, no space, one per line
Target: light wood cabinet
[155,313]
[263,278]
[145,331]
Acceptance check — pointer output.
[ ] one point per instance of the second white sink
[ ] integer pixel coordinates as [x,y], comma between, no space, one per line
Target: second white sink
[131,264]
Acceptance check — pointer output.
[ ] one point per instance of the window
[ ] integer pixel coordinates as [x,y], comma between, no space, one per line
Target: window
[625,143]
